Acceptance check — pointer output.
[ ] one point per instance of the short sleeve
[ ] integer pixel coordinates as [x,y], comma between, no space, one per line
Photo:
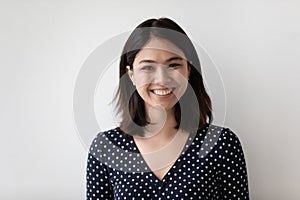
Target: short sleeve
[98,186]
[233,176]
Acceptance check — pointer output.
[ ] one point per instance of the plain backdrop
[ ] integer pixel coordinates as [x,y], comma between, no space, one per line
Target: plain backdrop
[43,45]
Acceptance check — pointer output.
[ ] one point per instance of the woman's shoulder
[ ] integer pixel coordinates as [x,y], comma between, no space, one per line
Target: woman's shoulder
[215,138]
[217,130]
[111,138]
[216,134]
[111,134]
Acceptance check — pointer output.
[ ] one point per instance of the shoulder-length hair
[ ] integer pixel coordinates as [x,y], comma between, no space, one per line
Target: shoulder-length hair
[130,106]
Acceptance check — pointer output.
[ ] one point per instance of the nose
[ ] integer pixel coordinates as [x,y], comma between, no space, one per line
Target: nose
[162,76]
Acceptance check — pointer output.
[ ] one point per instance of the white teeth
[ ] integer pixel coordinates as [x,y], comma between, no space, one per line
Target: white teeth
[162,92]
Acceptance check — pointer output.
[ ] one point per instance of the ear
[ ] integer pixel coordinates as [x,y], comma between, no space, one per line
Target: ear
[130,74]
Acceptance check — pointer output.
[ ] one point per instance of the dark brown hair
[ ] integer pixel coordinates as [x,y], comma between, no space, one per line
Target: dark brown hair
[190,114]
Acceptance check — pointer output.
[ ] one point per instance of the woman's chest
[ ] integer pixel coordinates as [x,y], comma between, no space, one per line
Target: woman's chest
[190,176]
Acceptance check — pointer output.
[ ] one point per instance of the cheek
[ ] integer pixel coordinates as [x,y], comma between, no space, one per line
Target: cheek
[142,81]
[143,90]
[181,78]
[182,84]
[142,87]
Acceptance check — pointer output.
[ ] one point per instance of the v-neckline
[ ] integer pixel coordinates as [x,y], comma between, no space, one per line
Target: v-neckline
[186,146]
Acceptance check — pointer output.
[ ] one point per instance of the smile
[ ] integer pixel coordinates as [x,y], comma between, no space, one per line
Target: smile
[163,92]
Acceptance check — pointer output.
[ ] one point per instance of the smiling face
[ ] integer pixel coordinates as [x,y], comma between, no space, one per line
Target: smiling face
[160,73]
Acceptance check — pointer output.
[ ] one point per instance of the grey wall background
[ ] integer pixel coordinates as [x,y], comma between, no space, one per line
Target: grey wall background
[43,44]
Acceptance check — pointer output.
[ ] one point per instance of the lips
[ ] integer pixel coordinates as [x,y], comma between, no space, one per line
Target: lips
[162,92]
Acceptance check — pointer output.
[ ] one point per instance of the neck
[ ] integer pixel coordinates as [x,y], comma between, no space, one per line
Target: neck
[162,123]
[160,132]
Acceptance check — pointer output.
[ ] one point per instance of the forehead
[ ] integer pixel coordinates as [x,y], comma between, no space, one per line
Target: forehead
[159,50]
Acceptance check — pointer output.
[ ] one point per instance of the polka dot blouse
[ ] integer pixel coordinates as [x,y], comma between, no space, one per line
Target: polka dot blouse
[210,166]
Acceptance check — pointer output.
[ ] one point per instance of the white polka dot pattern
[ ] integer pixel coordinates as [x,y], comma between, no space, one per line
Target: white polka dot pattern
[211,166]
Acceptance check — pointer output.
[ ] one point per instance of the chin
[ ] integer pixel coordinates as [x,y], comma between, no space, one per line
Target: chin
[166,107]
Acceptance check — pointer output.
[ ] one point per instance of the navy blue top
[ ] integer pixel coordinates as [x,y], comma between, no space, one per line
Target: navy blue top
[210,166]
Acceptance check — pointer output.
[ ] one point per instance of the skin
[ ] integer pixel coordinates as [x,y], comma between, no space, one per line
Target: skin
[162,66]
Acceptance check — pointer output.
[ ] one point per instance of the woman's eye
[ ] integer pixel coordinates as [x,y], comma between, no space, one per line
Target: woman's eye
[148,67]
[174,65]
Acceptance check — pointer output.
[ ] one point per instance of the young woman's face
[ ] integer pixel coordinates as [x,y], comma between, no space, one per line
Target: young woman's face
[160,73]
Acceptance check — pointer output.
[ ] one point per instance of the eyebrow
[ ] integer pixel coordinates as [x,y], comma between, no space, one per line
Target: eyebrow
[169,60]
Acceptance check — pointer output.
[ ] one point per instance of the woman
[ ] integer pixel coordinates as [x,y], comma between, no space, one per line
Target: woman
[165,146]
